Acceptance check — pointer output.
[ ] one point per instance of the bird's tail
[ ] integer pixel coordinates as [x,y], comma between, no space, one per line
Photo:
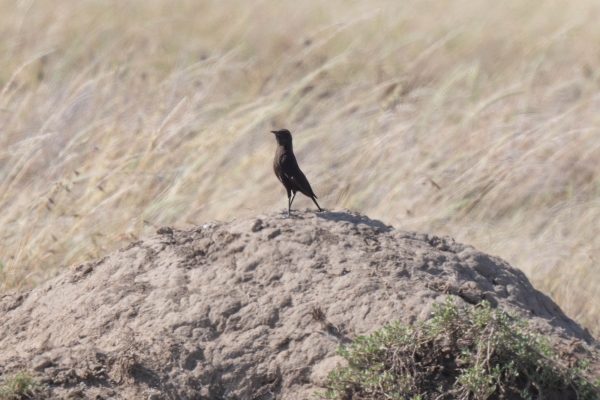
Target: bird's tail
[314,198]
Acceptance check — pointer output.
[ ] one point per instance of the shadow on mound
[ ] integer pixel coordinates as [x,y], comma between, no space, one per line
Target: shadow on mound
[346,216]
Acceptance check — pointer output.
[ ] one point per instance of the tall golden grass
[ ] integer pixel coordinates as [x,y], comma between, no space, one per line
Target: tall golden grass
[475,119]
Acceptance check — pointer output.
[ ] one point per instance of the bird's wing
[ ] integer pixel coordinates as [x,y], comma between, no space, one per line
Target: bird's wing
[278,175]
[293,173]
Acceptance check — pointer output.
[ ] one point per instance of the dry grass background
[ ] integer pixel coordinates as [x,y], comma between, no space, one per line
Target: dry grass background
[476,119]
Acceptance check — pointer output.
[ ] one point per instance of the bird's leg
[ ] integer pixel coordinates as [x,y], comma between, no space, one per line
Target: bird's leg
[289,194]
[290,205]
[315,200]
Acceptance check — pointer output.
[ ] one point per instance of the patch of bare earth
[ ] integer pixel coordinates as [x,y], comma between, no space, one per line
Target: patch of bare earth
[251,309]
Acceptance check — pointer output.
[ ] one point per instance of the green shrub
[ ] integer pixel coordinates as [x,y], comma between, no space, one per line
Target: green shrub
[21,386]
[471,353]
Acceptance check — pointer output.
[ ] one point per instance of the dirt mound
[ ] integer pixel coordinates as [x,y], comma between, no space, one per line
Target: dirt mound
[252,309]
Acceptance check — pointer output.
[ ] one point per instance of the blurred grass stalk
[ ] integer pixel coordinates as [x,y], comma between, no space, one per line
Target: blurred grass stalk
[475,119]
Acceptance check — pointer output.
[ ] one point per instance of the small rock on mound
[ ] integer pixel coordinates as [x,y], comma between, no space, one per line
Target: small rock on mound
[251,309]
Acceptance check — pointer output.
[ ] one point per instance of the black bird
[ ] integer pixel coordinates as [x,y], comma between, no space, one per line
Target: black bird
[287,170]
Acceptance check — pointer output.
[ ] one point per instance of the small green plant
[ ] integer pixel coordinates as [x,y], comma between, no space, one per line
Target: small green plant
[21,386]
[471,353]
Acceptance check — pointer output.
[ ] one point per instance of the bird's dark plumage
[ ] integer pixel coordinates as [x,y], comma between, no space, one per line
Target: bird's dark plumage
[287,170]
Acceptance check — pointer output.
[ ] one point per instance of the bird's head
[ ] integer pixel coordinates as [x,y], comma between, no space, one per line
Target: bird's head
[283,136]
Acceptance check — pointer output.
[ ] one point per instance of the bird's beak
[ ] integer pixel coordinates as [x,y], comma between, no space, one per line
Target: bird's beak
[275,132]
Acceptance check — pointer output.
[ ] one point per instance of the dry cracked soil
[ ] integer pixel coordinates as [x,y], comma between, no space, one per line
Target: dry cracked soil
[226,310]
